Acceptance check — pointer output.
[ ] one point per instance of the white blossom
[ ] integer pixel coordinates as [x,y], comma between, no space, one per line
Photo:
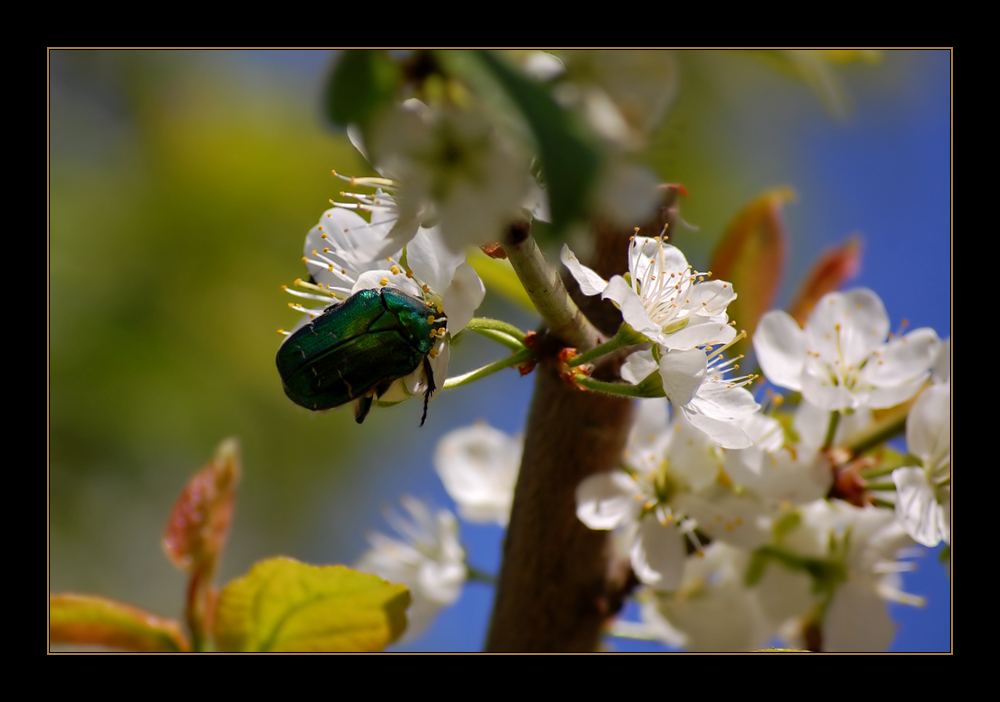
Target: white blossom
[663,299]
[429,560]
[713,610]
[455,169]
[841,360]
[478,466]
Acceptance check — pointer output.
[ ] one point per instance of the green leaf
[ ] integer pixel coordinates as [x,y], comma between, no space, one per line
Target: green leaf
[362,81]
[570,162]
[285,605]
[88,619]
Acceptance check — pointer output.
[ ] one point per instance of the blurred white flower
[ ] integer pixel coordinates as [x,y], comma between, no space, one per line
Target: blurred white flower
[478,466]
[713,610]
[430,561]
[624,95]
[454,168]
[780,472]
[841,360]
[853,555]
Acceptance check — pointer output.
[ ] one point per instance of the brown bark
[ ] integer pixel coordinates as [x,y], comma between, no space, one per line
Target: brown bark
[560,582]
[554,592]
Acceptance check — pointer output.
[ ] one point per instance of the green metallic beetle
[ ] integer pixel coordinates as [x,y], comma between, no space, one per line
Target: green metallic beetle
[355,350]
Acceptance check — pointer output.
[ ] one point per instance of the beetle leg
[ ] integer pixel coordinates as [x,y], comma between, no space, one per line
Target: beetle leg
[429,377]
[364,405]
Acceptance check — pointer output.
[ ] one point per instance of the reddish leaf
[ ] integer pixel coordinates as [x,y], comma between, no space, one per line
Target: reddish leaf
[199,522]
[87,619]
[830,272]
[751,256]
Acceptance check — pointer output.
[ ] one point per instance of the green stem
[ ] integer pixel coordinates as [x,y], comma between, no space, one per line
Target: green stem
[512,360]
[879,502]
[887,485]
[500,338]
[831,430]
[621,389]
[473,573]
[878,432]
[877,472]
[626,336]
[478,323]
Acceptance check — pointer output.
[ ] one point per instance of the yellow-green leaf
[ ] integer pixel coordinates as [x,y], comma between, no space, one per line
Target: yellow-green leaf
[285,605]
[88,619]
[751,256]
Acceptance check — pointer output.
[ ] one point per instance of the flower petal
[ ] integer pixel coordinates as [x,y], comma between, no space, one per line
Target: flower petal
[781,349]
[606,500]
[590,283]
[658,555]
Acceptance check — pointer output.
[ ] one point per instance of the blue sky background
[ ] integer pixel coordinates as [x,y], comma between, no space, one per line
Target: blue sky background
[182,185]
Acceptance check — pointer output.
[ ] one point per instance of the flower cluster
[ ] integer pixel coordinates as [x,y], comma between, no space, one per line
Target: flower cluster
[783,559]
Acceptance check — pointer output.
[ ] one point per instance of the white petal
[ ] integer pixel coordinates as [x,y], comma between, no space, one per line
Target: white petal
[848,326]
[658,555]
[903,359]
[431,260]
[638,366]
[826,391]
[725,434]
[590,283]
[478,466]
[606,500]
[857,621]
[462,297]
[917,508]
[682,373]
[699,331]
[942,364]
[781,349]
[633,310]
[928,427]
[736,520]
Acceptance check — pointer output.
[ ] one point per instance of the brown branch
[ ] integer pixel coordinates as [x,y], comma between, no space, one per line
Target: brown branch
[560,582]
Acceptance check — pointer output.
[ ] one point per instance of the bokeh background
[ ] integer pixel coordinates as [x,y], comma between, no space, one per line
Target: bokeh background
[182,185]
